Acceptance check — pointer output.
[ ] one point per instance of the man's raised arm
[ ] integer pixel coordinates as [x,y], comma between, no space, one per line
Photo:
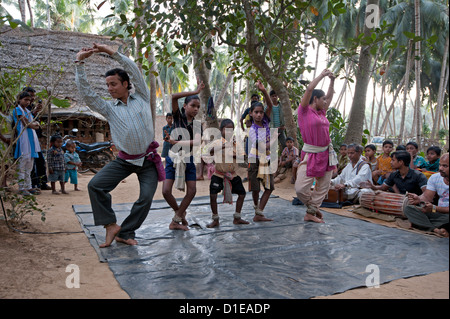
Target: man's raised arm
[130,67]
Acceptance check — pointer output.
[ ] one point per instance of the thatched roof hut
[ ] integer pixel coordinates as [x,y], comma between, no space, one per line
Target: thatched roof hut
[54,52]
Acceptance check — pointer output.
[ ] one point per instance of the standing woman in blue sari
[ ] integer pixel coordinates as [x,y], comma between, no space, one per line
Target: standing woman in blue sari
[27,145]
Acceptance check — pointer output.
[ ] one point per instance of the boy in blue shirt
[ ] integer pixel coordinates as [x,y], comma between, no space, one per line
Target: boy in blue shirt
[72,161]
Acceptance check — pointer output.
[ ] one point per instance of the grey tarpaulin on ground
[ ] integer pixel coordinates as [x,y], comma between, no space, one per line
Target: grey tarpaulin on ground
[285,258]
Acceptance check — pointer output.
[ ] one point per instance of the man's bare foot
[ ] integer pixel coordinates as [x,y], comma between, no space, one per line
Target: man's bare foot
[56,193]
[129,241]
[176,226]
[214,223]
[201,178]
[240,221]
[111,231]
[441,231]
[64,192]
[77,189]
[261,218]
[313,218]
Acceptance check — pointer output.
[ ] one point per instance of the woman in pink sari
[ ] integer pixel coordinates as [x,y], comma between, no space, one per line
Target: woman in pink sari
[318,158]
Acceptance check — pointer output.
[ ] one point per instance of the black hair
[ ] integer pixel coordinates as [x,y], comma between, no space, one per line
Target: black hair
[289,139]
[28,89]
[435,149]
[255,104]
[372,147]
[255,94]
[343,145]
[190,98]
[272,93]
[168,114]
[316,93]
[23,94]
[403,156]
[225,122]
[388,142]
[400,148]
[55,137]
[123,76]
[413,144]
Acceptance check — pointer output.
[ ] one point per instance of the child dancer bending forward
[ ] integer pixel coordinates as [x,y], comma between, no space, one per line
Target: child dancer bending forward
[180,167]
[225,177]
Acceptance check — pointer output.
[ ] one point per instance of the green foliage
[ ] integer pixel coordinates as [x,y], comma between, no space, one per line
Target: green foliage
[338,127]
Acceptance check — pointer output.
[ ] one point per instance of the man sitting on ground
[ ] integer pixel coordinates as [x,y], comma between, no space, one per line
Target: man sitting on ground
[422,213]
[353,174]
[403,179]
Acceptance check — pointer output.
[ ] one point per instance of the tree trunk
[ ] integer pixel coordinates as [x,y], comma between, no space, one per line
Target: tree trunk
[22,9]
[224,90]
[440,99]
[202,73]
[357,112]
[152,78]
[30,11]
[275,82]
[405,92]
[418,67]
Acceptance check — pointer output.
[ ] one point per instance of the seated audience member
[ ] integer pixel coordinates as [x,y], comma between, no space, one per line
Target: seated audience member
[432,163]
[287,158]
[383,168]
[422,213]
[402,179]
[369,156]
[417,161]
[342,158]
[356,172]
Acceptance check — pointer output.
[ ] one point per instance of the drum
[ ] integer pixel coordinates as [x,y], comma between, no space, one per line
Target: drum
[384,202]
[335,196]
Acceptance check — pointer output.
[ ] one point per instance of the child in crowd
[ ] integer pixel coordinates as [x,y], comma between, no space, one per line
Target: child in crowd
[72,161]
[258,167]
[342,158]
[432,163]
[383,168]
[369,153]
[225,177]
[287,159]
[167,129]
[417,161]
[180,166]
[27,146]
[55,162]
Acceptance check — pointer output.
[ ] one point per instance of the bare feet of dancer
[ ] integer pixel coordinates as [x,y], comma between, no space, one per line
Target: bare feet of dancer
[240,221]
[441,232]
[261,218]
[214,223]
[129,241]
[313,218]
[111,231]
[313,215]
[178,223]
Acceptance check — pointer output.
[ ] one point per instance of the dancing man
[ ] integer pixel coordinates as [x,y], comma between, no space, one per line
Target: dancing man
[130,120]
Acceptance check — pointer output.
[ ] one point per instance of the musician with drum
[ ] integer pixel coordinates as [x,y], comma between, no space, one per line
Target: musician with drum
[403,179]
[422,213]
[354,173]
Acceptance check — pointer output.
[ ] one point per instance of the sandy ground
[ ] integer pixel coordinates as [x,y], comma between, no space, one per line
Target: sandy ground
[34,265]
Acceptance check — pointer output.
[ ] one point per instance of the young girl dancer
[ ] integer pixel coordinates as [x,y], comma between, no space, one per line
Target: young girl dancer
[259,161]
[318,158]
[180,166]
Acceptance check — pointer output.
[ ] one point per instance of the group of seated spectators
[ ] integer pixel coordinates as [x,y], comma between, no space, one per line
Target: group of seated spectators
[424,181]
